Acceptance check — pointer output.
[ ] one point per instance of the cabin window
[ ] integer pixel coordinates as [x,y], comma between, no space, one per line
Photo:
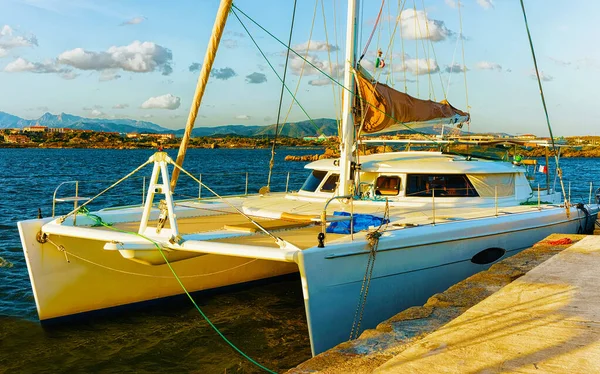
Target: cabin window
[313,181]
[331,183]
[386,185]
[445,185]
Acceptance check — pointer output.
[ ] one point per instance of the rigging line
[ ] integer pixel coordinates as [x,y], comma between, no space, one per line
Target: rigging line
[258,225]
[430,44]
[338,115]
[392,51]
[462,40]
[312,26]
[425,135]
[402,41]
[287,58]
[271,65]
[63,218]
[537,73]
[372,32]
[425,51]
[450,75]
[416,47]
[329,57]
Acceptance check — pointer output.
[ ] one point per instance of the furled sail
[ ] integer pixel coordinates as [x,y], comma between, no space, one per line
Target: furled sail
[385,109]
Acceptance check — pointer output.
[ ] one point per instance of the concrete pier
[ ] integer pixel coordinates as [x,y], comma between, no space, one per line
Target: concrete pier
[547,321]
[533,312]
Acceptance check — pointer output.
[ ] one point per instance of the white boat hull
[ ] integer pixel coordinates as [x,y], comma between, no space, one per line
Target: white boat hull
[411,265]
[407,275]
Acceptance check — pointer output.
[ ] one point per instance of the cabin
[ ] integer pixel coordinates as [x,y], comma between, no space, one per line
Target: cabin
[412,176]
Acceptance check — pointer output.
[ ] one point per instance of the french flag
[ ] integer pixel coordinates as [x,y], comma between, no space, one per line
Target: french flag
[543,169]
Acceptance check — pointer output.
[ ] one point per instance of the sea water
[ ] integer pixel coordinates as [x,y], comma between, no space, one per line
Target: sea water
[266,321]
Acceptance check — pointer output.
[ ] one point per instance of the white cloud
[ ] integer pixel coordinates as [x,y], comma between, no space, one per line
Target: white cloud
[21,65]
[451,3]
[333,69]
[486,65]
[486,4]
[68,75]
[97,113]
[229,43]
[455,68]
[222,73]
[416,25]
[120,106]
[256,78]
[316,46]
[167,101]
[138,57]
[9,40]
[243,117]
[108,75]
[319,82]
[147,116]
[134,21]
[419,66]
[194,67]
[544,77]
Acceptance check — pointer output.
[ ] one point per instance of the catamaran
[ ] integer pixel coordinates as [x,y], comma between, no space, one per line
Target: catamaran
[369,235]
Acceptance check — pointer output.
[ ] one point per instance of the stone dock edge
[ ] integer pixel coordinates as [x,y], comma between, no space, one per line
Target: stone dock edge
[376,346]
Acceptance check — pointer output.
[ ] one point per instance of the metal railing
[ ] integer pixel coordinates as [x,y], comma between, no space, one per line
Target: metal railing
[76,198]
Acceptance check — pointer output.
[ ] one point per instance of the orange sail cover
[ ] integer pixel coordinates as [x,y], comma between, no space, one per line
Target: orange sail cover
[385,108]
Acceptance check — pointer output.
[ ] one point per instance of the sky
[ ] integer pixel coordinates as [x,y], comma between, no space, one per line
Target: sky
[140,59]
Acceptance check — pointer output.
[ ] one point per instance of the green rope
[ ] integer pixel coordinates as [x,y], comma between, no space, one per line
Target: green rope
[537,73]
[274,71]
[99,222]
[234,7]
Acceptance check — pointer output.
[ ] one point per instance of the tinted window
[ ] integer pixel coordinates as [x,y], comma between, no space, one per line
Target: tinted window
[331,183]
[387,186]
[313,181]
[449,185]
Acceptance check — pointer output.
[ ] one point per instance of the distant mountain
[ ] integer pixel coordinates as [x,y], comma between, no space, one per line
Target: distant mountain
[300,129]
[315,127]
[75,122]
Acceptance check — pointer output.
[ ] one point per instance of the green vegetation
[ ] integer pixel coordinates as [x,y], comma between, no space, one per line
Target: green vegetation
[92,139]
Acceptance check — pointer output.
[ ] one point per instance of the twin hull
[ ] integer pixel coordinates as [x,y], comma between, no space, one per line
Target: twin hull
[411,265]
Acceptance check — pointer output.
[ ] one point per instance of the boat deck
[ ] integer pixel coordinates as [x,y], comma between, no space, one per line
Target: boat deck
[231,227]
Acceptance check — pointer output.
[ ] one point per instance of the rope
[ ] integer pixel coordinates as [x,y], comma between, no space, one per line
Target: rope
[269,63]
[329,59]
[373,239]
[160,250]
[63,218]
[287,58]
[71,254]
[426,136]
[258,225]
[312,26]
[462,40]
[372,32]
[537,73]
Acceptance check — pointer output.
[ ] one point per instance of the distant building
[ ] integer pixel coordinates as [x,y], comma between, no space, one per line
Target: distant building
[320,138]
[58,129]
[16,139]
[527,136]
[35,129]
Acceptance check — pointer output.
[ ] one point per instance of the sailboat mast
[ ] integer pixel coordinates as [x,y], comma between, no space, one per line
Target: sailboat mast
[347,135]
[209,59]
